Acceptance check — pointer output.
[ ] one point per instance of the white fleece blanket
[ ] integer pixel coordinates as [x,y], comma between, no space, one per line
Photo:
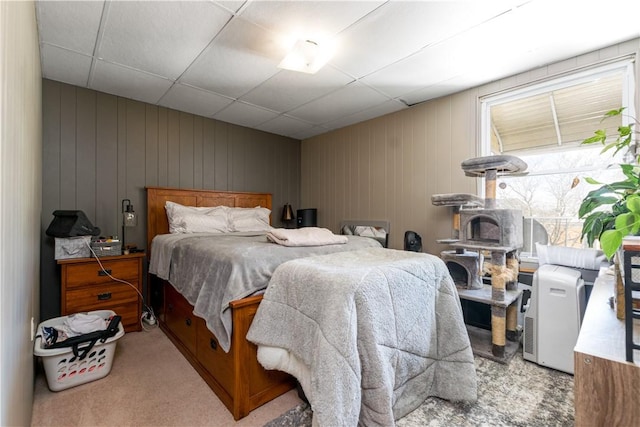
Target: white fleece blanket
[307,236]
[371,334]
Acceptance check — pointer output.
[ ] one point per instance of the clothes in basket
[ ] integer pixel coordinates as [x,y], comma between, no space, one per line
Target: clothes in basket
[78,360]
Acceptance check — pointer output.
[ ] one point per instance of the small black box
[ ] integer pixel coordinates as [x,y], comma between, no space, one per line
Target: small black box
[307,218]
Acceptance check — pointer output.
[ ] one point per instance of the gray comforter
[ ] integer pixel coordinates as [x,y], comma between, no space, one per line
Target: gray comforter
[211,270]
[378,331]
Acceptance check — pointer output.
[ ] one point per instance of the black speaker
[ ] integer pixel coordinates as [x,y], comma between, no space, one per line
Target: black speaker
[412,241]
[71,224]
[307,218]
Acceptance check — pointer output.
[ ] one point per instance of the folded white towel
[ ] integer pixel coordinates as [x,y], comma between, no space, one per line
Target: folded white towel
[307,236]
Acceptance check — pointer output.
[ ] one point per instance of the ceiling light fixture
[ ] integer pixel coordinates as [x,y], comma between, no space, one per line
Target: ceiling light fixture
[307,56]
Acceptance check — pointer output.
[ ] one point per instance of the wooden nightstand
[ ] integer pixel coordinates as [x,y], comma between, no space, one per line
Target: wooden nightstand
[85,287]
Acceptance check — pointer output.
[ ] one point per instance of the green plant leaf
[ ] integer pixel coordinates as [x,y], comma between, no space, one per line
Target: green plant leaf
[592,181]
[633,203]
[612,113]
[624,130]
[591,203]
[624,222]
[599,136]
[607,147]
[621,143]
[610,241]
[636,225]
[629,170]
[627,184]
[634,177]
[612,188]
[618,208]
[595,224]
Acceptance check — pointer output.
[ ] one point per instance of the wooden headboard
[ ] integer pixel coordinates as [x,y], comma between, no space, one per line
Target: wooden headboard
[157,197]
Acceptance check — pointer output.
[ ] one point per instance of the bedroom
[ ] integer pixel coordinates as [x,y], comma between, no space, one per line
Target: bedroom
[323,178]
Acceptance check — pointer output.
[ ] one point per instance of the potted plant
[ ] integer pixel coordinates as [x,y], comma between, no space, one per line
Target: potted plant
[612,211]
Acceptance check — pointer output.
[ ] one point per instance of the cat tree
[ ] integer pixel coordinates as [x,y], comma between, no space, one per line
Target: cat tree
[499,233]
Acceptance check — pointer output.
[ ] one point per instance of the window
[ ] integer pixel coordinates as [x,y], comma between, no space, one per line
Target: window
[544,125]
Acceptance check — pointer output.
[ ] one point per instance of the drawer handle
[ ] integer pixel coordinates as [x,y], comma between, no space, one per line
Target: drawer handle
[104,272]
[213,343]
[104,297]
[187,321]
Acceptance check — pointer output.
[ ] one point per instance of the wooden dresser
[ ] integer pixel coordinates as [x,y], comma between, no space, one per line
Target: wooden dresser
[85,287]
[606,386]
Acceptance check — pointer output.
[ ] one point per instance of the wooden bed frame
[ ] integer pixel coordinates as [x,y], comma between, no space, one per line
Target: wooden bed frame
[235,377]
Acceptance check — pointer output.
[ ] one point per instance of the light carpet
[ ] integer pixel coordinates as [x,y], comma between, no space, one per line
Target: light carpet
[520,393]
[150,384]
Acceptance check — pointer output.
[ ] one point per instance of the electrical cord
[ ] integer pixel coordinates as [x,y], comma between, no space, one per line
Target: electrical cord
[147,311]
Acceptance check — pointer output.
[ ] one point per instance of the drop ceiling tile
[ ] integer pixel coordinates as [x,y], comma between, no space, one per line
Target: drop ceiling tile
[316,20]
[289,89]
[565,34]
[242,57]
[310,133]
[379,110]
[284,125]
[373,42]
[426,68]
[457,84]
[231,5]
[353,97]
[71,24]
[64,65]
[192,100]
[244,114]
[160,37]
[127,82]
[479,48]
[489,56]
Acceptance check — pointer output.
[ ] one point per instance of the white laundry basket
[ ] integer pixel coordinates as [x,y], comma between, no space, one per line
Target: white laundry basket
[63,369]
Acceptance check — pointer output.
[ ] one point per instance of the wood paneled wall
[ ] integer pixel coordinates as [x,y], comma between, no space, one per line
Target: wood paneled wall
[99,149]
[388,168]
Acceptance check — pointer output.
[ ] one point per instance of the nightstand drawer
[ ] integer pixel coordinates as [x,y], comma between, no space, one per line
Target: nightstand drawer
[100,297]
[91,273]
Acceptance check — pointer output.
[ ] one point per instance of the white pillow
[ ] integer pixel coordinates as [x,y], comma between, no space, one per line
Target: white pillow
[249,219]
[176,213]
[214,222]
